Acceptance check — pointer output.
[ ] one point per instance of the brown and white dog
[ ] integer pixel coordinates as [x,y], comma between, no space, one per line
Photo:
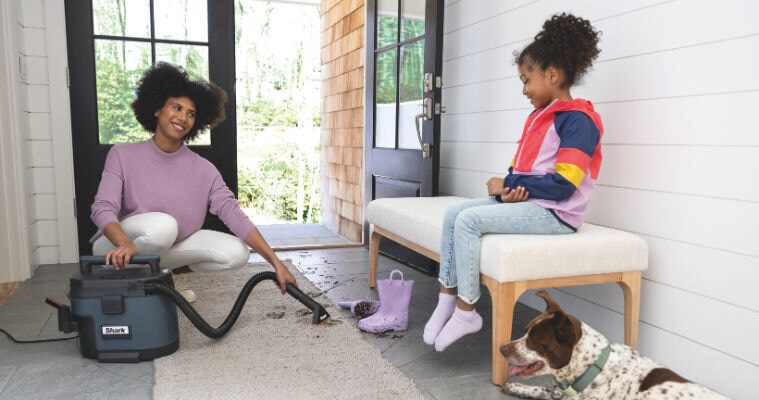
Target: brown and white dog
[559,344]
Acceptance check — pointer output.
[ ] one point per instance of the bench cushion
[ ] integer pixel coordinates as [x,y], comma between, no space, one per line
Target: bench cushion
[506,257]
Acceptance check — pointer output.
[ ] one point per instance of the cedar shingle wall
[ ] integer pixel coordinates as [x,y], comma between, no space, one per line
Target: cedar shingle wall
[342,137]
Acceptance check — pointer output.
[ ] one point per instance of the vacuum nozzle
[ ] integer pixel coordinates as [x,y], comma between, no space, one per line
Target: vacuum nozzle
[320,314]
[66,324]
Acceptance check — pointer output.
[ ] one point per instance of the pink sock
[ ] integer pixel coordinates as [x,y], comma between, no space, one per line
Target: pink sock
[445,305]
[461,323]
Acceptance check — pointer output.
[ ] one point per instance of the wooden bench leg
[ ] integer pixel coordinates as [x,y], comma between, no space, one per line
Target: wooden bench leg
[630,285]
[504,296]
[374,242]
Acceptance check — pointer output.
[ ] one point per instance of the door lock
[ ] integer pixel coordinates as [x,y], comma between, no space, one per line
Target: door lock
[427,82]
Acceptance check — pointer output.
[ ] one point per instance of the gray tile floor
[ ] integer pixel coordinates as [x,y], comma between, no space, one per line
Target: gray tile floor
[288,235]
[56,370]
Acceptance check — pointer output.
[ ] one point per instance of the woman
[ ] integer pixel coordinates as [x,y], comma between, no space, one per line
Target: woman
[153,195]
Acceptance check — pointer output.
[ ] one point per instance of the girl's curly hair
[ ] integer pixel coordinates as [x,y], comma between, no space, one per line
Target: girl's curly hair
[566,42]
[164,80]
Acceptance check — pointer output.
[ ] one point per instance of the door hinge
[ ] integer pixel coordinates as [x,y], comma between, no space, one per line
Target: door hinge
[68,79]
[438,82]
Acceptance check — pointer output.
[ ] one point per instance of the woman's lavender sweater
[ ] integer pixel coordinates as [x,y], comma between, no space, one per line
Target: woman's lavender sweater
[140,177]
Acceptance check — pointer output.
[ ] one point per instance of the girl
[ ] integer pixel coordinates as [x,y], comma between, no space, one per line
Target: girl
[153,195]
[550,178]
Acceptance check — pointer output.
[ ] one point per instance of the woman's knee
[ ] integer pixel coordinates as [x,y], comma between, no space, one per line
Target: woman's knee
[228,252]
[238,255]
[158,232]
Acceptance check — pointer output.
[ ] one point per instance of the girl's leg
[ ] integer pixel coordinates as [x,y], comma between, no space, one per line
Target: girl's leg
[207,250]
[447,274]
[470,225]
[151,233]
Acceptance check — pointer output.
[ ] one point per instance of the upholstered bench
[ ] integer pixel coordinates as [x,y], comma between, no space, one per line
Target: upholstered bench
[512,264]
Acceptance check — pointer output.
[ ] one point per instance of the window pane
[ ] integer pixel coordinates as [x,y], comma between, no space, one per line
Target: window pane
[194,59]
[181,20]
[412,92]
[121,17]
[118,66]
[412,22]
[385,93]
[387,22]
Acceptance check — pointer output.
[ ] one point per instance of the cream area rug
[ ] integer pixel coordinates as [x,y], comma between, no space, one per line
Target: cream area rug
[273,351]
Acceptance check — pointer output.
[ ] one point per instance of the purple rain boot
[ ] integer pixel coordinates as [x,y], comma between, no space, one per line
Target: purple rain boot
[395,298]
[360,308]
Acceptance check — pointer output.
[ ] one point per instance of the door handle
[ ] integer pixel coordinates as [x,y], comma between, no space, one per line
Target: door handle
[426,114]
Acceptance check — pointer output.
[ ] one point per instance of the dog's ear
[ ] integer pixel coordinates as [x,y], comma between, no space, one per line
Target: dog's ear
[554,338]
[568,328]
[551,305]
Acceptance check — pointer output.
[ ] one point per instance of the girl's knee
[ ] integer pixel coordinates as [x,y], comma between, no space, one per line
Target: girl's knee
[466,220]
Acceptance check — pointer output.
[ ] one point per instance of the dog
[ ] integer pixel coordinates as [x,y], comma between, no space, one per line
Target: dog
[559,344]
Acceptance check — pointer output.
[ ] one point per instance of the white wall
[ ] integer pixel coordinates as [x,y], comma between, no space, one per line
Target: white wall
[42,123]
[676,86]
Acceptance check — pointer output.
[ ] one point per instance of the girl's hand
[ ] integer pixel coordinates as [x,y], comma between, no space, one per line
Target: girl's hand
[284,276]
[514,195]
[120,256]
[495,186]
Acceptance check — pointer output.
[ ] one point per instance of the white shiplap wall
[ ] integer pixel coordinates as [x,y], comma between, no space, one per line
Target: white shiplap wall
[676,86]
[39,60]
[37,132]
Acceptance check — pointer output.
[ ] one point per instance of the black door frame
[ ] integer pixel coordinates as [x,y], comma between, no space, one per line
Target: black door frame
[89,154]
[394,162]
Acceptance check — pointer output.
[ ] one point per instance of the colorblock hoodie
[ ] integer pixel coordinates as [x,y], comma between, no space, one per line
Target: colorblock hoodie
[558,158]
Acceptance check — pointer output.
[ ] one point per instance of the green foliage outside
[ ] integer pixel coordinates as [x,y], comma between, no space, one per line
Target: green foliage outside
[286,183]
[412,62]
[115,91]
[278,116]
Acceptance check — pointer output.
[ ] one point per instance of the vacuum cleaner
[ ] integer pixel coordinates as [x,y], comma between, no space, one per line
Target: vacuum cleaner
[130,315]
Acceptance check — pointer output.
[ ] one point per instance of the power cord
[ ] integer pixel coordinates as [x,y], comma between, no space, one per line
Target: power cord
[34,341]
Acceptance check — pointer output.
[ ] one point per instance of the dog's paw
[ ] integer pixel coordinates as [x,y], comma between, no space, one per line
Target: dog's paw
[514,389]
[525,391]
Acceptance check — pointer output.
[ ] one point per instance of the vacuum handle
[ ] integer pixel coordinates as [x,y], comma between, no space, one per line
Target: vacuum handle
[87,262]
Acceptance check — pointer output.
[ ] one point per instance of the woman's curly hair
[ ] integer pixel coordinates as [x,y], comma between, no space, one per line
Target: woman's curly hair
[164,80]
[566,42]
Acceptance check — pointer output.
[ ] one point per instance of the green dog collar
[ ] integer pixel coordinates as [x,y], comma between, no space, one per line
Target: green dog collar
[586,378]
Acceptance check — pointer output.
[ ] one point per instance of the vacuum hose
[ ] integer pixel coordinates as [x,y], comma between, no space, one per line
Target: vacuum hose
[319,314]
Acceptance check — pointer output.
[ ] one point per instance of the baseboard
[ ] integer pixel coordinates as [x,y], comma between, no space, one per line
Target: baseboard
[7,289]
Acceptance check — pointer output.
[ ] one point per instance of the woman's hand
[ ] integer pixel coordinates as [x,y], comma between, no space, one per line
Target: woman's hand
[509,195]
[495,186]
[120,256]
[284,276]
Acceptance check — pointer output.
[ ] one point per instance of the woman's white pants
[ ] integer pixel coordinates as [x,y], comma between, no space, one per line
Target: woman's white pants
[156,233]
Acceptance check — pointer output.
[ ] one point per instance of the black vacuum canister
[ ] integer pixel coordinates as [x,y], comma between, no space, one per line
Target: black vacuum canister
[116,320]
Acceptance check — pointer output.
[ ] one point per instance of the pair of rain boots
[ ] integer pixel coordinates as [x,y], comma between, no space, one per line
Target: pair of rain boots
[390,313]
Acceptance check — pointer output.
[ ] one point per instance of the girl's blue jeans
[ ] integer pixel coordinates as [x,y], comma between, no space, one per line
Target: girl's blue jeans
[465,223]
